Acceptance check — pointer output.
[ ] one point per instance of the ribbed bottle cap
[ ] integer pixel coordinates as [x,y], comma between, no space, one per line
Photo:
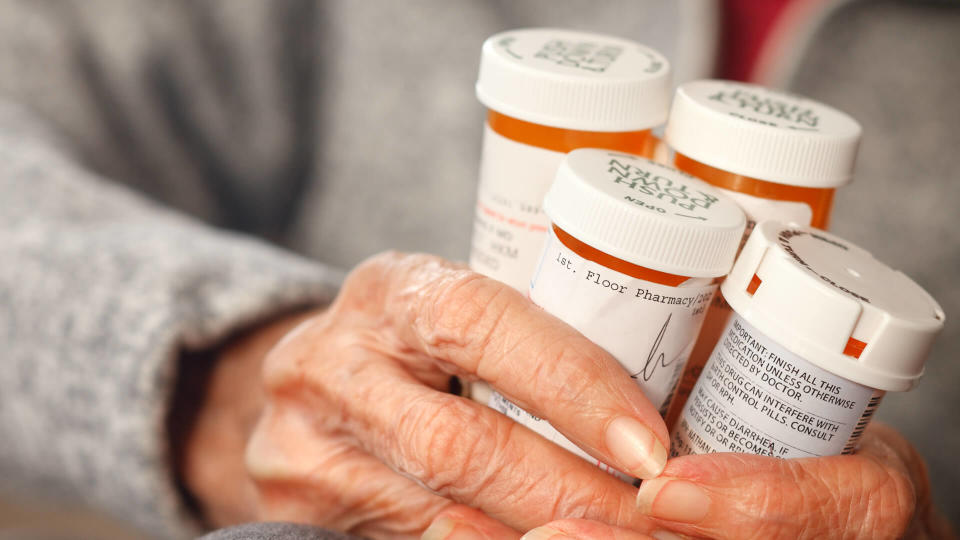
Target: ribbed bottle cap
[574,80]
[646,213]
[819,296]
[757,132]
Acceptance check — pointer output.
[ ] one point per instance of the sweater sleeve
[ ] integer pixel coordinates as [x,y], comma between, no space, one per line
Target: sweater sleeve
[101,291]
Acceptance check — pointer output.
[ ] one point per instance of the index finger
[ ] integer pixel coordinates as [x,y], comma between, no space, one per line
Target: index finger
[490,331]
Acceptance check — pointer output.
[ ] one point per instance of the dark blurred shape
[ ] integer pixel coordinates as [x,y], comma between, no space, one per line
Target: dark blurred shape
[275,531]
[746,25]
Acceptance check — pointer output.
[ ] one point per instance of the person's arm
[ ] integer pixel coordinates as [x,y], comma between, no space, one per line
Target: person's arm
[101,293]
[104,292]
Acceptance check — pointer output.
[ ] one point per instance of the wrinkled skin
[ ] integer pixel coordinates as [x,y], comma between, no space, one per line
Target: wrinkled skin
[881,492]
[345,421]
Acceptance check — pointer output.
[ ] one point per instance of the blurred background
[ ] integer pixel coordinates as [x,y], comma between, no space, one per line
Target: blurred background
[322,126]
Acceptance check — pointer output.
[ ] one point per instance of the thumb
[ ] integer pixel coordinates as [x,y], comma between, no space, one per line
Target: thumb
[460,521]
[871,494]
[583,529]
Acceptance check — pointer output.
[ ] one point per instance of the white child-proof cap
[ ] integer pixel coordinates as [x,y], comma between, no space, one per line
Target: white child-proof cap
[816,292]
[574,80]
[757,132]
[645,213]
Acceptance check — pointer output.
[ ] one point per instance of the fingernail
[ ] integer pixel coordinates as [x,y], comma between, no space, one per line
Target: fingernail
[445,528]
[545,533]
[668,535]
[636,448]
[673,500]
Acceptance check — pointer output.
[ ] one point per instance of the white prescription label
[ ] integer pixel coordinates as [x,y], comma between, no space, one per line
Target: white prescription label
[756,397]
[510,226]
[649,328]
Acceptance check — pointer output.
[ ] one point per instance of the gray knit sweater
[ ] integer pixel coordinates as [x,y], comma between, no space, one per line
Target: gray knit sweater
[101,292]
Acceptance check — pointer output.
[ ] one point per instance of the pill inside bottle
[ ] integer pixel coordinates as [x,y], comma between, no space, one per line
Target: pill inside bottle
[778,155]
[631,261]
[548,92]
[820,332]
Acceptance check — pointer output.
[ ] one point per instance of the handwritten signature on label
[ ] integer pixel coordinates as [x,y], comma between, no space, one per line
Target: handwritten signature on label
[655,358]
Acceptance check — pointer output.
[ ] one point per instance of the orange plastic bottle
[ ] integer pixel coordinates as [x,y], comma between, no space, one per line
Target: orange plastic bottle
[631,261]
[548,92]
[778,155]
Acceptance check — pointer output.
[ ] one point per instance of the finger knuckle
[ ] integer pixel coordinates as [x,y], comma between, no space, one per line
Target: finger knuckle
[453,448]
[778,512]
[571,499]
[299,351]
[854,496]
[439,443]
[378,262]
[263,458]
[282,368]
[461,310]
[888,501]
[365,284]
[569,371]
[318,367]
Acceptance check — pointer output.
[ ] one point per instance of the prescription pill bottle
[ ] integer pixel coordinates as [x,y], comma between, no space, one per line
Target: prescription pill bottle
[548,92]
[778,155]
[820,331]
[631,261]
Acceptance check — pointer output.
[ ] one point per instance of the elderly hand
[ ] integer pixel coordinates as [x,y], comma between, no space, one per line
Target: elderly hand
[357,430]
[880,492]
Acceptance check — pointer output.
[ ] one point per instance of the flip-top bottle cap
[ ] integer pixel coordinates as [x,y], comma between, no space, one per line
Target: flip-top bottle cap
[645,213]
[574,80]
[833,304]
[753,131]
